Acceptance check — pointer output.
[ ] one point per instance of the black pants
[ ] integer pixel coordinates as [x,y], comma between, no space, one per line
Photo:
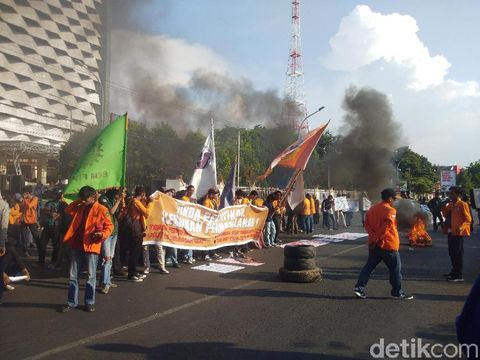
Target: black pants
[455,250]
[440,220]
[1,272]
[36,237]
[49,233]
[277,220]
[134,254]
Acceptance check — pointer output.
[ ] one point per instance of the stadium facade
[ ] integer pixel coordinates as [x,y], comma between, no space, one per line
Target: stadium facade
[52,71]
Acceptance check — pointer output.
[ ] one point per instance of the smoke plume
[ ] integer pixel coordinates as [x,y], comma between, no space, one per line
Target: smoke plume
[362,154]
[163,79]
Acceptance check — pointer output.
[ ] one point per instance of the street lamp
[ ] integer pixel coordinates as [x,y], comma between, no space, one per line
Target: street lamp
[102,95]
[68,107]
[300,125]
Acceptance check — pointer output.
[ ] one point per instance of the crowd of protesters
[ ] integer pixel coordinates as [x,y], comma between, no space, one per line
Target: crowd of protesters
[106,230]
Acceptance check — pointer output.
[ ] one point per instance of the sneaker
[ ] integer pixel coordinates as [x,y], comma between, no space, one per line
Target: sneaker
[455,279]
[360,293]
[216,256]
[164,271]
[141,275]
[190,261]
[146,271]
[112,285]
[230,254]
[135,279]
[402,296]
[65,308]
[9,287]
[207,258]
[105,289]
[89,308]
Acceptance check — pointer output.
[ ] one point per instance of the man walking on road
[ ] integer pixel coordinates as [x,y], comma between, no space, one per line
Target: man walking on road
[383,245]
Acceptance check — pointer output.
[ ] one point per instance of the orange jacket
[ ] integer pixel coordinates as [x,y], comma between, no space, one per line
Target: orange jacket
[98,220]
[29,210]
[15,216]
[138,211]
[461,218]
[381,225]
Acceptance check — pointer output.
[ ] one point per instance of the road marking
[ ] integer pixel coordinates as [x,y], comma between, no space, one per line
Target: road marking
[153,317]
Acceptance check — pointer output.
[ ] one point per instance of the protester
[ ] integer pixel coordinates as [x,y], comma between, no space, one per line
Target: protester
[171,253]
[50,220]
[255,199]
[91,225]
[328,208]
[383,245]
[29,223]
[14,218]
[113,200]
[458,226]
[12,264]
[190,190]
[364,206]
[277,216]
[211,202]
[64,222]
[269,224]
[307,220]
[435,205]
[4,212]
[316,207]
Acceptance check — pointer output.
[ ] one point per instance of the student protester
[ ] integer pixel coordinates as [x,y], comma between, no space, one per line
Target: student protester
[211,202]
[307,219]
[113,200]
[4,212]
[64,222]
[255,199]
[328,208]
[14,218]
[269,237]
[435,205]
[91,225]
[29,223]
[316,210]
[171,253]
[50,222]
[187,196]
[277,216]
[457,224]
[383,245]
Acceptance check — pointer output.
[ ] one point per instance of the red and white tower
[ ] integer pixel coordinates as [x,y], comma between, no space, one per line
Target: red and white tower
[294,85]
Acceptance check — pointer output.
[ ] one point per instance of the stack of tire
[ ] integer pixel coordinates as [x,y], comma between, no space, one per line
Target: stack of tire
[299,264]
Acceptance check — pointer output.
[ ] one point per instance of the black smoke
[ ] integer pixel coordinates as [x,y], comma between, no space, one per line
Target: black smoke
[361,158]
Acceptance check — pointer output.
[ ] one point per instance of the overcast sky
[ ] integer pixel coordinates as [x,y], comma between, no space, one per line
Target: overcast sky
[423,54]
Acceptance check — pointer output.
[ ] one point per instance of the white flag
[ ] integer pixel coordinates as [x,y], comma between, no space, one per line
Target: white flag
[205,174]
[297,195]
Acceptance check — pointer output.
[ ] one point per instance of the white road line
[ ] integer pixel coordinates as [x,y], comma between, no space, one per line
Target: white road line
[151,318]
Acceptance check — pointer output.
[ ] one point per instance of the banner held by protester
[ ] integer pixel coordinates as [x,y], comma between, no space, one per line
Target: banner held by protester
[103,164]
[191,226]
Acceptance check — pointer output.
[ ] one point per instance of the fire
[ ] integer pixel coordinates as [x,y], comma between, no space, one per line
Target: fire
[418,235]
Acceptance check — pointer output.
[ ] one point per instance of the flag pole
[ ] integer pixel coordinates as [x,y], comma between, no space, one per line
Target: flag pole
[238,160]
[290,185]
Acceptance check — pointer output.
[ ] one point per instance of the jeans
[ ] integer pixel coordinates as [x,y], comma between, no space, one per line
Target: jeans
[277,220]
[455,250]
[307,223]
[330,221]
[391,258]
[36,238]
[270,231]
[79,257]
[172,254]
[108,250]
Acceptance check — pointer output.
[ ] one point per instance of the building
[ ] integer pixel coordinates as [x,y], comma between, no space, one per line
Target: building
[52,70]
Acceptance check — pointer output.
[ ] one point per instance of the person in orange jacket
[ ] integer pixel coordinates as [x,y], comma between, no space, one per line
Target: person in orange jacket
[29,207]
[90,226]
[457,222]
[383,245]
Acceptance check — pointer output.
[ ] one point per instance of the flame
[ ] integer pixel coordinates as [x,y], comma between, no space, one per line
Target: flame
[418,235]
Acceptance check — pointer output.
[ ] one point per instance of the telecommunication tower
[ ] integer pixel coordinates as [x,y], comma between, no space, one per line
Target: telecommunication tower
[294,85]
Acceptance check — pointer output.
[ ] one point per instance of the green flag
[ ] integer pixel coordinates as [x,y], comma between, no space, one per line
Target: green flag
[103,165]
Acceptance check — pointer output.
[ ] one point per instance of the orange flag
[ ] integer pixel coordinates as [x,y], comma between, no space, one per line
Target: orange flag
[296,156]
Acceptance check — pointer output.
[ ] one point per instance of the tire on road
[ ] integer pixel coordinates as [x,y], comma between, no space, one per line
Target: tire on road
[299,264]
[305,276]
[299,252]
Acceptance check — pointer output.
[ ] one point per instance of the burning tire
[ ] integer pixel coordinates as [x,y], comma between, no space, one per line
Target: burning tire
[299,252]
[304,276]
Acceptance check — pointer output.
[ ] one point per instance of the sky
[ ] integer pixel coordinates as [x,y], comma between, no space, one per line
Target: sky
[422,54]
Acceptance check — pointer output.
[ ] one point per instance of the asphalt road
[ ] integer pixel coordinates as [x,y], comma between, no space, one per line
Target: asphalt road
[247,314]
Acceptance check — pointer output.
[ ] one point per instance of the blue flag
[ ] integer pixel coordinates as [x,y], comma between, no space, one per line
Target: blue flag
[228,193]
